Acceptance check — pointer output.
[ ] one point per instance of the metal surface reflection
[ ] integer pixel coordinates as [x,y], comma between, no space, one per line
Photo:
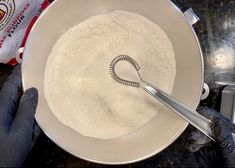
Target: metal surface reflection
[216,33]
[220,63]
[223,57]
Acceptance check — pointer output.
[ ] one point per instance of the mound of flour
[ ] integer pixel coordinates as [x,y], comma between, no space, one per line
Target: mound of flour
[78,86]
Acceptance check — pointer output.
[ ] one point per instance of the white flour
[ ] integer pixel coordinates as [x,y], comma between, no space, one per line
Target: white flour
[78,86]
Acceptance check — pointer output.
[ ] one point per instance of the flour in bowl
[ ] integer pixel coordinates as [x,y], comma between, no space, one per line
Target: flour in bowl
[78,86]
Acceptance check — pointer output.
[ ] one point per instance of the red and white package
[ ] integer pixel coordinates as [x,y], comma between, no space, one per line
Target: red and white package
[16,20]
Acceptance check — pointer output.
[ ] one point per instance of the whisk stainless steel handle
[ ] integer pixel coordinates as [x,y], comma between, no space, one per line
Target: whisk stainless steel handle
[187,113]
[200,122]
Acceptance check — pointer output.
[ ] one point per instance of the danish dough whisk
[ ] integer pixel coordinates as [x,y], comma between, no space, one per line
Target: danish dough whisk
[200,122]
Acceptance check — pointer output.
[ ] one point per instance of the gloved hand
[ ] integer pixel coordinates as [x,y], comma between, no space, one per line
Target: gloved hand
[222,128]
[16,120]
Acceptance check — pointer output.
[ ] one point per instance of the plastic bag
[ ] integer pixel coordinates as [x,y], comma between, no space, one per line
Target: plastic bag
[16,20]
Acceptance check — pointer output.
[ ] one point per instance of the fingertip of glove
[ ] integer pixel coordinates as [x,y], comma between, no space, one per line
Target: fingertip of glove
[202,108]
[31,95]
[32,92]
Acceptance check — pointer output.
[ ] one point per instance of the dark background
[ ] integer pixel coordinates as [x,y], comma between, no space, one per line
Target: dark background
[216,31]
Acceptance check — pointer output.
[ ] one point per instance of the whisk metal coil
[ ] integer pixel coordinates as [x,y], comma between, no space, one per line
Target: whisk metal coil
[119,79]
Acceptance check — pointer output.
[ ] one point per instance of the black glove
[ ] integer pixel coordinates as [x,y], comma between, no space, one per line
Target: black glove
[16,120]
[222,129]
[196,139]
